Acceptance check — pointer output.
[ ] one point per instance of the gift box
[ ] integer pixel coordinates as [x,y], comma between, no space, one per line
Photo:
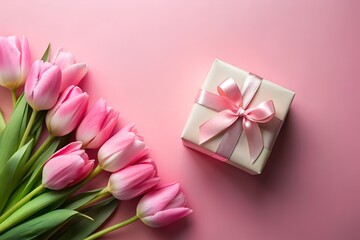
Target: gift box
[236,117]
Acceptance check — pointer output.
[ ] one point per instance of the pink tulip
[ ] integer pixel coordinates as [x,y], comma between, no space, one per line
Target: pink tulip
[72,72]
[122,149]
[133,180]
[66,167]
[97,125]
[162,206]
[42,85]
[15,61]
[67,113]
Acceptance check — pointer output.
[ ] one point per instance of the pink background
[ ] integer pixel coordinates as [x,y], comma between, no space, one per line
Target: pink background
[148,58]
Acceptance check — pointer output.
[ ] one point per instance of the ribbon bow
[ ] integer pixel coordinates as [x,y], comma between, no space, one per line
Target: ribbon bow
[234,116]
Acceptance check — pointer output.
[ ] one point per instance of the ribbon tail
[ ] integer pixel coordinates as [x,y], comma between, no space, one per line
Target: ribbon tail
[229,140]
[216,125]
[254,138]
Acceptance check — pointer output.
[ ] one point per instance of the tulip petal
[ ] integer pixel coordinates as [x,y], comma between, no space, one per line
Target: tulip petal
[63,59]
[42,85]
[111,163]
[46,92]
[61,171]
[91,124]
[110,115]
[113,146]
[142,154]
[130,176]
[104,134]
[73,74]
[97,125]
[132,152]
[148,161]
[70,148]
[179,201]
[25,60]
[74,92]
[68,115]
[118,142]
[64,96]
[10,57]
[166,217]
[10,54]
[56,55]
[147,185]
[89,165]
[32,80]
[143,187]
[132,181]
[157,200]
[128,128]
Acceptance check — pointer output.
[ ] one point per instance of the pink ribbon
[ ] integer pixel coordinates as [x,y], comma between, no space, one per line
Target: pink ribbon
[234,116]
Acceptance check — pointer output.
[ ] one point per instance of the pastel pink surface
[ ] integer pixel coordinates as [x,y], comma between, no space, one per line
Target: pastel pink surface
[148,58]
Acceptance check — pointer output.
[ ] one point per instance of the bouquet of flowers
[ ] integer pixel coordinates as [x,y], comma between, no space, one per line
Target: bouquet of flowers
[42,169]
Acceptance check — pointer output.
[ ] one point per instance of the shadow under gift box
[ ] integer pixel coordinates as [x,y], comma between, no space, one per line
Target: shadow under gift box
[240,156]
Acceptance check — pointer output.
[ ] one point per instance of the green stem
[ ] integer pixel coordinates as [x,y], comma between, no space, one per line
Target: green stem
[93,174]
[13,97]
[38,152]
[102,194]
[28,128]
[112,228]
[19,204]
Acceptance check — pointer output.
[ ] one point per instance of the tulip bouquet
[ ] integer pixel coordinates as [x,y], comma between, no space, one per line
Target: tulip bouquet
[43,169]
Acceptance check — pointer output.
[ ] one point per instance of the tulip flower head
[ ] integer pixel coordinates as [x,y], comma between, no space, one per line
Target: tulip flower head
[122,149]
[162,206]
[97,125]
[67,113]
[66,167]
[133,180]
[42,85]
[72,72]
[15,61]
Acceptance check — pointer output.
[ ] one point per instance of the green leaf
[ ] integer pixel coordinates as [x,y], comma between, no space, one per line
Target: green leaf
[15,196]
[35,205]
[47,201]
[20,188]
[46,55]
[80,228]
[14,130]
[10,174]
[34,228]
[36,129]
[33,178]
[80,199]
[36,169]
[2,123]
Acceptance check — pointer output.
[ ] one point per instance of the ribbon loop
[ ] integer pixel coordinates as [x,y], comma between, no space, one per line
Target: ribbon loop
[262,113]
[230,89]
[233,116]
